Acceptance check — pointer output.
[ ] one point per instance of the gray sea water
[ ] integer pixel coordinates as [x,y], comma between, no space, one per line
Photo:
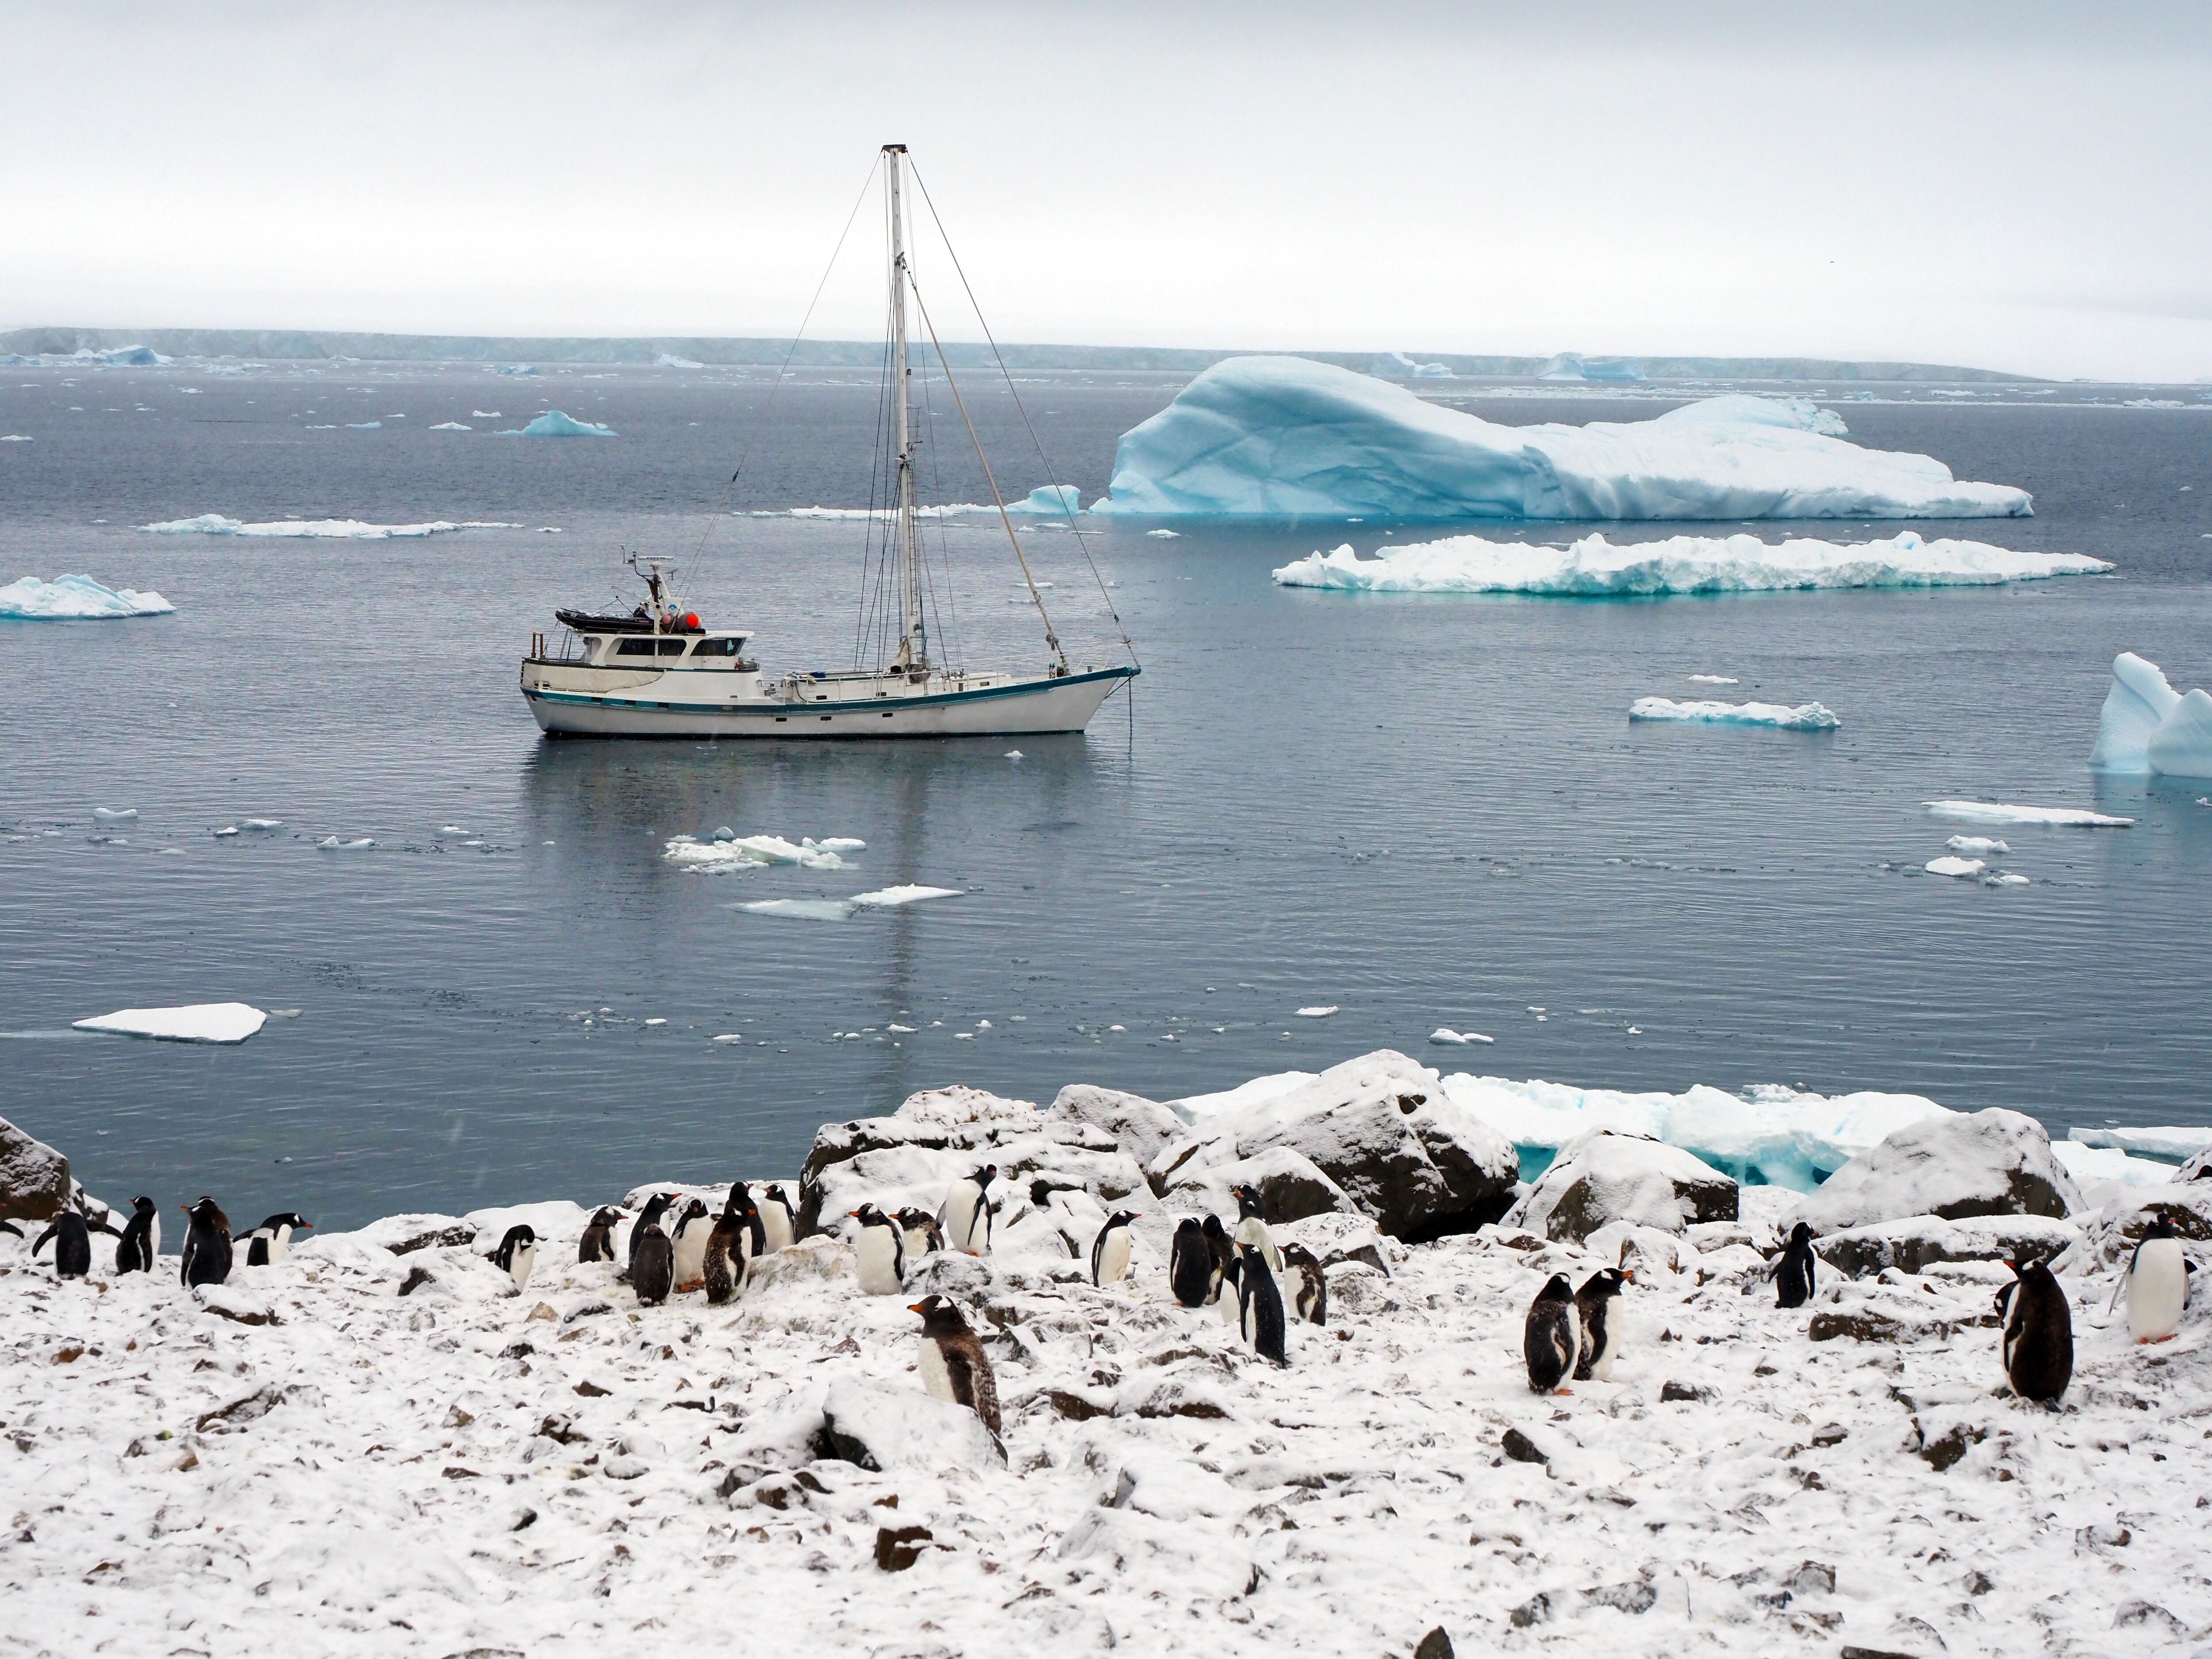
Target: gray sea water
[1424,810]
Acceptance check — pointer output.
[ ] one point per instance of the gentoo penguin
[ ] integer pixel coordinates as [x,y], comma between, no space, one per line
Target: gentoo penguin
[965,1215]
[734,1243]
[693,1224]
[1110,1251]
[922,1233]
[517,1253]
[272,1240]
[1600,1341]
[1225,1257]
[1793,1270]
[206,1256]
[1192,1274]
[1252,1226]
[954,1366]
[878,1252]
[1552,1339]
[72,1236]
[1260,1304]
[2038,1333]
[778,1219]
[655,1207]
[2157,1285]
[652,1261]
[1311,1297]
[598,1243]
[142,1238]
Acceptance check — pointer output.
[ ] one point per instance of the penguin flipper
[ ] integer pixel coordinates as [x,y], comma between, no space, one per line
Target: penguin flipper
[44,1237]
[107,1227]
[10,1227]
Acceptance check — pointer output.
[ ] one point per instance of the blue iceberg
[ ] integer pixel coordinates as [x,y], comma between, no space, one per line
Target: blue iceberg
[1055,500]
[2147,726]
[1284,438]
[1805,717]
[555,424]
[76,599]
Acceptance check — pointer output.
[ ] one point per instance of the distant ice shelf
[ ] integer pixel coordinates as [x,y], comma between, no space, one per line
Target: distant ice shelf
[198,1022]
[1284,437]
[344,529]
[76,599]
[1595,568]
[1805,717]
[2147,727]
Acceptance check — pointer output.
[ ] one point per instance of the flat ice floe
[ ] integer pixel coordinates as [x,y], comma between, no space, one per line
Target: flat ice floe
[198,1022]
[1283,437]
[1954,866]
[1594,567]
[883,898]
[1805,717]
[344,530]
[2147,726]
[2049,817]
[725,853]
[2171,1142]
[76,599]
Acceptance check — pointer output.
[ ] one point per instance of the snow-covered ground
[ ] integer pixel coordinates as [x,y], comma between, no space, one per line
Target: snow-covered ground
[464,1470]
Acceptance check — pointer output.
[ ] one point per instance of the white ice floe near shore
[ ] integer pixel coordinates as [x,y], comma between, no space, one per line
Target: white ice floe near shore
[2147,727]
[198,1022]
[1594,567]
[2047,817]
[76,599]
[1805,717]
[1283,437]
[724,853]
[2171,1143]
[344,529]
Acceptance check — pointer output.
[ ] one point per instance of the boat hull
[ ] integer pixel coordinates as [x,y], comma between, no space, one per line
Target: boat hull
[1018,708]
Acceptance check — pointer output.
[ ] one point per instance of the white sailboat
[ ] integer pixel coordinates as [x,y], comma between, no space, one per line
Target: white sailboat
[660,672]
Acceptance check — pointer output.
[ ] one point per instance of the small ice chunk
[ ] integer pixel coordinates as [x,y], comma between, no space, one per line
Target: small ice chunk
[1954,866]
[364,426]
[113,814]
[227,829]
[1710,679]
[1976,845]
[725,834]
[484,414]
[903,1030]
[452,426]
[729,1037]
[840,844]
[2139,702]
[748,853]
[656,1022]
[1317,1012]
[1013,754]
[451,829]
[1805,717]
[1057,500]
[260,824]
[964,1036]
[1162,535]
[332,844]
[2005,879]
[198,1022]
[886,897]
[2057,818]
[1446,1034]
[806,910]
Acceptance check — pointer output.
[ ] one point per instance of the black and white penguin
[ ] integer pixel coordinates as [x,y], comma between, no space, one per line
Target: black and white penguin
[953,1364]
[2157,1285]
[1793,1269]
[71,1233]
[1551,1340]
[1600,1340]
[1260,1305]
[1225,1257]
[965,1215]
[878,1252]
[779,1218]
[693,1223]
[651,1261]
[1310,1297]
[206,1256]
[655,1208]
[517,1253]
[1252,1226]
[142,1238]
[271,1241]
[922,1233]
[1190,1263]
[598,1243]
[2038,1333]
[1110,1251]
[736,1241]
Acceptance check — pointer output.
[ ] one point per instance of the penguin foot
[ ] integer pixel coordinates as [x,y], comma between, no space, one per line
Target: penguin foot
[1563,1391]
[2145,1341]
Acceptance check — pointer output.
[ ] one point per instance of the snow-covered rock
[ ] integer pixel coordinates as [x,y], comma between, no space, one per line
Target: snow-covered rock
[1141,1126]
[2147,726]
[2197,1166]
[886,1427]
[34,1178]
[1915,1243]
[1606,1176]
[1284,437]
[1292,1186]
[961,1105]
[1380,1127]
[1986,1163]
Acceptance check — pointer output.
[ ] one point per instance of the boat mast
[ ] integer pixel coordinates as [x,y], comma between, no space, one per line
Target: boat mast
[914,643]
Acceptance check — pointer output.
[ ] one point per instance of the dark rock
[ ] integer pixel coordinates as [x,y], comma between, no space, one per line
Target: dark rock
[1537,1610]
[34,1178]
[1435,1645]
[416,1280]
[2141,1613]
[1066,1402]
[2103,1535]
[433,1238]
[1860,1324]
[1634,1597]
[1948,1447]
[592,1390]
[240,1412]
[1847,1651]
[2197,1166]
[898,1548]
[1684,1391]
[1812,1575]
[1916,1243]
[1521,1450]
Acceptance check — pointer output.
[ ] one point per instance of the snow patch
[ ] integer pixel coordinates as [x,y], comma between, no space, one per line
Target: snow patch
[1805,717]
[76,599]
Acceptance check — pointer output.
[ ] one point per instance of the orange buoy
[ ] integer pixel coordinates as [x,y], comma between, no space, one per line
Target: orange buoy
[691,619]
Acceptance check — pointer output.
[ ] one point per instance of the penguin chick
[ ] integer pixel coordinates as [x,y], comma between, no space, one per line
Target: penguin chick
[965,1215]
[1552,1340]
[689,1239]
[878,1253]
[2038,1333]
[655,1207]
[1252,1226]
[779,1219]
[733,1245]
[1225,1257]
[954,1366]
[1600,1342]
[517,1253]
[142,1238]
[1311,1297]
[1191,1268]
[1793,1272]
[71,1233]
[922,1234]
[207,1254]
[2157,1285]
[271,1241]
[651,1263]
[1260,1305]
[598,1243]
[1110,1251]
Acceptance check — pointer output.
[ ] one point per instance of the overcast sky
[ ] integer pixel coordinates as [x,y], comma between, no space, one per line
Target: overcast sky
[2015,186]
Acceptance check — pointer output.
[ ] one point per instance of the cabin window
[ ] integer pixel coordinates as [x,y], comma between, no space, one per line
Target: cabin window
[716,648]
[671,647]
[636,648]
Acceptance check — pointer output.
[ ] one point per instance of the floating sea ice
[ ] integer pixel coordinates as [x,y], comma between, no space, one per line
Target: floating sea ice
[364,426]
[728,1036]
[1805,717]
[804,909]
[227,829]
[1318,1013]
[2162,1141]
[484,414]
[332,844]
[1054,499]
[351,529]
[17,438]
[113,814]
[1710,679]
[1162,535]
[1976,845]
[747,852]
[451,829]
[840,844]
[1951,866]
[2056,818]
[666,360]
[1013,754]
[263,823]
[76,599]
[452,426]
[902,1029]
[1446,1034]
[2005,879]
[886,897]
[199,1022]
[2147,726]
[555,424]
